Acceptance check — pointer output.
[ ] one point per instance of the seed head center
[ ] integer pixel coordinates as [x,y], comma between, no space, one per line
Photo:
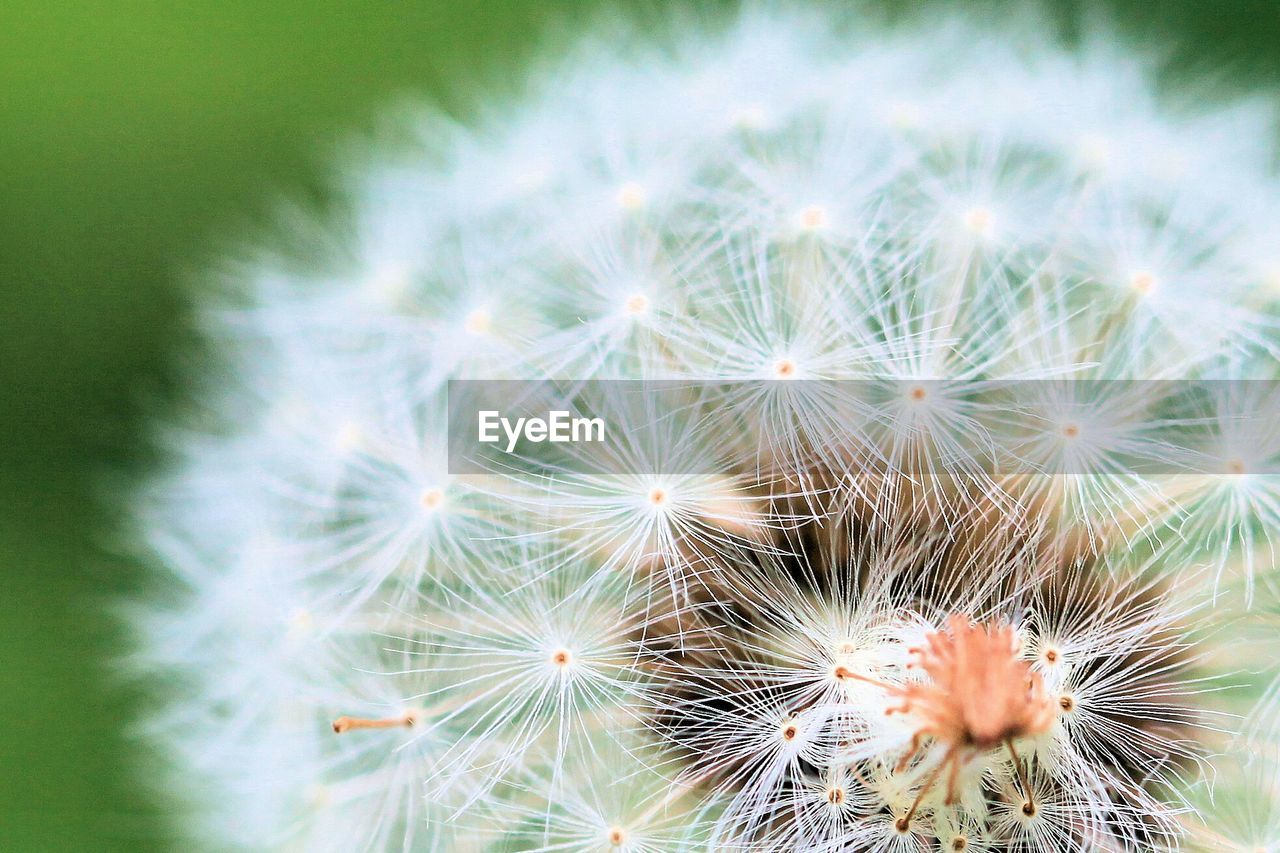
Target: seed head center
[980,692]
[1143,282]
[813,218]
[631,196]
[979,221]
[478,322]
[637,304]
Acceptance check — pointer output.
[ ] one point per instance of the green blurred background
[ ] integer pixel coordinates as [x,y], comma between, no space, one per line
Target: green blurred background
[138,140]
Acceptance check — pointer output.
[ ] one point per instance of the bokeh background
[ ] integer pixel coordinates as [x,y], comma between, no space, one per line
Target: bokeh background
[138,142]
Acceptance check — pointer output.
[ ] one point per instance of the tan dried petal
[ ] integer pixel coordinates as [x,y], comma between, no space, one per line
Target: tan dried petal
[980,693]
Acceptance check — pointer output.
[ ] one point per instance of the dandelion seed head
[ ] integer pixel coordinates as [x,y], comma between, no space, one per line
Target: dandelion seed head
[856,617]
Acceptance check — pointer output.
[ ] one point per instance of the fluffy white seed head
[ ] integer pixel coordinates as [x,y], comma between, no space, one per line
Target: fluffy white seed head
[860,621]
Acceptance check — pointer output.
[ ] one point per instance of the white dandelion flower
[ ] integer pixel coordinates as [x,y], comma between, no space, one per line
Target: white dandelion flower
[934,369]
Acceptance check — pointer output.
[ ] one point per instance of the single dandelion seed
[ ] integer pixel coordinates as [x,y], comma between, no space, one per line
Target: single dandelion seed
[1143,282]
[632,196]
[979,221]
[637,304]
[478,322]
[813,218]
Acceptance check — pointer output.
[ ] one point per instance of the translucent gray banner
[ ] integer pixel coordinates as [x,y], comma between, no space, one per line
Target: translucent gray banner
[1060,427]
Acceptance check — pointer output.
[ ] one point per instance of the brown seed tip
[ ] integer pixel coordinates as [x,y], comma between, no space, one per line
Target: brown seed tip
[813,217]
[346,724]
